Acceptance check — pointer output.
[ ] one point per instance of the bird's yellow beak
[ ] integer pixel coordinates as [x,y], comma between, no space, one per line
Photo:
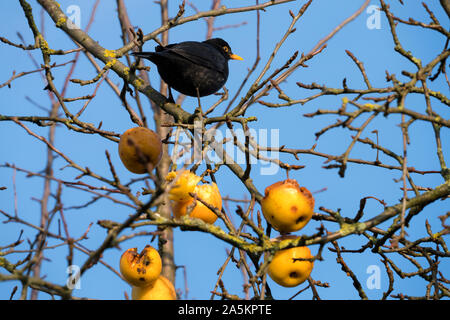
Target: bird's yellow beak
[235,57]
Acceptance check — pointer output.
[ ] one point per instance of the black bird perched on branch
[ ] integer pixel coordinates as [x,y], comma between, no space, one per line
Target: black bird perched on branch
[193,68]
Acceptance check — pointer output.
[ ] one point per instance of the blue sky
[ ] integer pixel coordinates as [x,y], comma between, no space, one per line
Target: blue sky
[201,254]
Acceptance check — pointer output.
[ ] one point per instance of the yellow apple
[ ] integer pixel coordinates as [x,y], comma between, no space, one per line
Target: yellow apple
[208,193]
[184,184]
[161,289]
[288,272]
[286,206]
[140,269]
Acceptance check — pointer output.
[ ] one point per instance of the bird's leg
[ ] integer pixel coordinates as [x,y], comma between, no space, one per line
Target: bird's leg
[171,100]
[198,99]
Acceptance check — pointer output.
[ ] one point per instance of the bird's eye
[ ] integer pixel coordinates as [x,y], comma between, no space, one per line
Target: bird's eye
[226,49]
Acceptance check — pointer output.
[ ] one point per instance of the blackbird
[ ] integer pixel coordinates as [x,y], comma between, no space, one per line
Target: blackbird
[193,68]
